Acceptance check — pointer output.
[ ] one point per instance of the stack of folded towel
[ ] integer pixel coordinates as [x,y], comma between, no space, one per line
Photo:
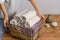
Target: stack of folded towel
[26,20]
[26,25]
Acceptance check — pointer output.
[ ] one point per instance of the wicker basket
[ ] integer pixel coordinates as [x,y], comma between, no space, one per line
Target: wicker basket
[24,33]
[26,36]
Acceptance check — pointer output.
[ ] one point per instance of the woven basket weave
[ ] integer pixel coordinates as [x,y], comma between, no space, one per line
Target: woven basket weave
[26,34]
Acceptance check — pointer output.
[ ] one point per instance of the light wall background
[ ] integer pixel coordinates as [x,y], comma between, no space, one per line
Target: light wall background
[46,6]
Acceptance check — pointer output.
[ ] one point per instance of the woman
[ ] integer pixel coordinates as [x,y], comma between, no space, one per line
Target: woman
[12,7]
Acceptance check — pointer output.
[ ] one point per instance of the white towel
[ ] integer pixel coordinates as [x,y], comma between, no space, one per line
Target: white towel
[26,14]
[29,14]
[33,21]
[26,19]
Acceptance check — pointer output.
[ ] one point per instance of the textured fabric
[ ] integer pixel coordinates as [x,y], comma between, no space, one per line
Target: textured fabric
[1,1]
[26,20]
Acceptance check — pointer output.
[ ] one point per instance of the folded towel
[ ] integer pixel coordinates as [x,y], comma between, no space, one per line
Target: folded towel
[33,20]
[26,20]
[25,15]
[29,15]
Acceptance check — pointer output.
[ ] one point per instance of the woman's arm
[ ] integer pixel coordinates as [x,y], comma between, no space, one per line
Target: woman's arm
[4,13]
[35,5]
[3,10]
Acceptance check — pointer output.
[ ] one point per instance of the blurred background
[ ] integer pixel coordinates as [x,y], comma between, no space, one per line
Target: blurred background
[46,6]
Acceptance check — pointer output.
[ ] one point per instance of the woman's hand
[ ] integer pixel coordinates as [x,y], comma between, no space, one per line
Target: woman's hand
[5,14]
[6,21]
[42,16]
